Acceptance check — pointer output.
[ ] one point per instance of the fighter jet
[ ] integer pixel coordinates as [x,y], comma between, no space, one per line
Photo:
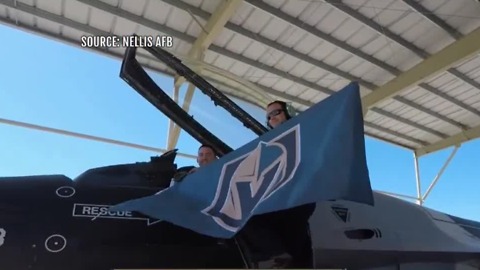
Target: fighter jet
[54,222]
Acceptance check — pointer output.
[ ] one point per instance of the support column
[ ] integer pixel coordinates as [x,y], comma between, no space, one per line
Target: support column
[437,177]
[171,142]
[186,106]
[417,177]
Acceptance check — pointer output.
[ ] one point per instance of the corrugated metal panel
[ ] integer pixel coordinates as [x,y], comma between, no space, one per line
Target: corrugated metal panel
[460,15]
[470,64]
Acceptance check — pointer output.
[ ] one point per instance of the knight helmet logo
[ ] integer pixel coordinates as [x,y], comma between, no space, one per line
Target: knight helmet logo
[250,179]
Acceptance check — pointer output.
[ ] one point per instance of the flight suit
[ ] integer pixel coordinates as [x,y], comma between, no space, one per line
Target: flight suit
[272,234]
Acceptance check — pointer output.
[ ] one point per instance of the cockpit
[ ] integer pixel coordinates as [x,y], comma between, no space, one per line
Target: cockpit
[157,173]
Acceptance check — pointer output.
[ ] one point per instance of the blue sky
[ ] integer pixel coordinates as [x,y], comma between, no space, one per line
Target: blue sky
[48,83]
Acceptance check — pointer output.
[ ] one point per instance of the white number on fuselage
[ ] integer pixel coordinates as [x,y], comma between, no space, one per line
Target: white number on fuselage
[3,233]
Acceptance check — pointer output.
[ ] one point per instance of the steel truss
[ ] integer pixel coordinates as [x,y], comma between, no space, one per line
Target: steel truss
[420,198]
[88,137]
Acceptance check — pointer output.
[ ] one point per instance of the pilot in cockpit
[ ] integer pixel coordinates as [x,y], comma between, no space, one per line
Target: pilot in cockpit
[206,154]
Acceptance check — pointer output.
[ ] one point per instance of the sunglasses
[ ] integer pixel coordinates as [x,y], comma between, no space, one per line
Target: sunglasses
[274,113]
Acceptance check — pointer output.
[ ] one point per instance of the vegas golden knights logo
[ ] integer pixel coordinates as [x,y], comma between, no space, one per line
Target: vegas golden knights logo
[250,179]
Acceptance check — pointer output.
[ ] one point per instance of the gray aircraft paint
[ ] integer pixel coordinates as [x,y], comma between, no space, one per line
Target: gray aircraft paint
[392,225]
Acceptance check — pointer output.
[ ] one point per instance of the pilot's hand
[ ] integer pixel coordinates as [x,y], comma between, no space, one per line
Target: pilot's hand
[182,172]
[179,176]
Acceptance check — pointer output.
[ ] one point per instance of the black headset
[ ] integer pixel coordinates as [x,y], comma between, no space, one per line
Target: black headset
[285,109]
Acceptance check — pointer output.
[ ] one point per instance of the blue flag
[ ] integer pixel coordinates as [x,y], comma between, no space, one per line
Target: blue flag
[316,156]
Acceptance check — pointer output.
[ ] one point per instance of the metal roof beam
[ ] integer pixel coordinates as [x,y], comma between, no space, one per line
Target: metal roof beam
[409,122]
[467,135]
[433,18]
[395,133]
[427,111]
[435,64]
[314,31]
[52,17]
[465,78]
[215,25]
[131,17]
[450,99]
[213,28]
[338,4]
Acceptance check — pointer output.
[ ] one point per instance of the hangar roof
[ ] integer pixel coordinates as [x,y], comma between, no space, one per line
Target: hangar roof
[417,62]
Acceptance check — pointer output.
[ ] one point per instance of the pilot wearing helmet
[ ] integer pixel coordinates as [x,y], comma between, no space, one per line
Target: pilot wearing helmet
[277,113]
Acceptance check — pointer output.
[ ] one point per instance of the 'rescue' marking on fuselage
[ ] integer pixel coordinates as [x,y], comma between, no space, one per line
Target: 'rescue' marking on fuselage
[95,211]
